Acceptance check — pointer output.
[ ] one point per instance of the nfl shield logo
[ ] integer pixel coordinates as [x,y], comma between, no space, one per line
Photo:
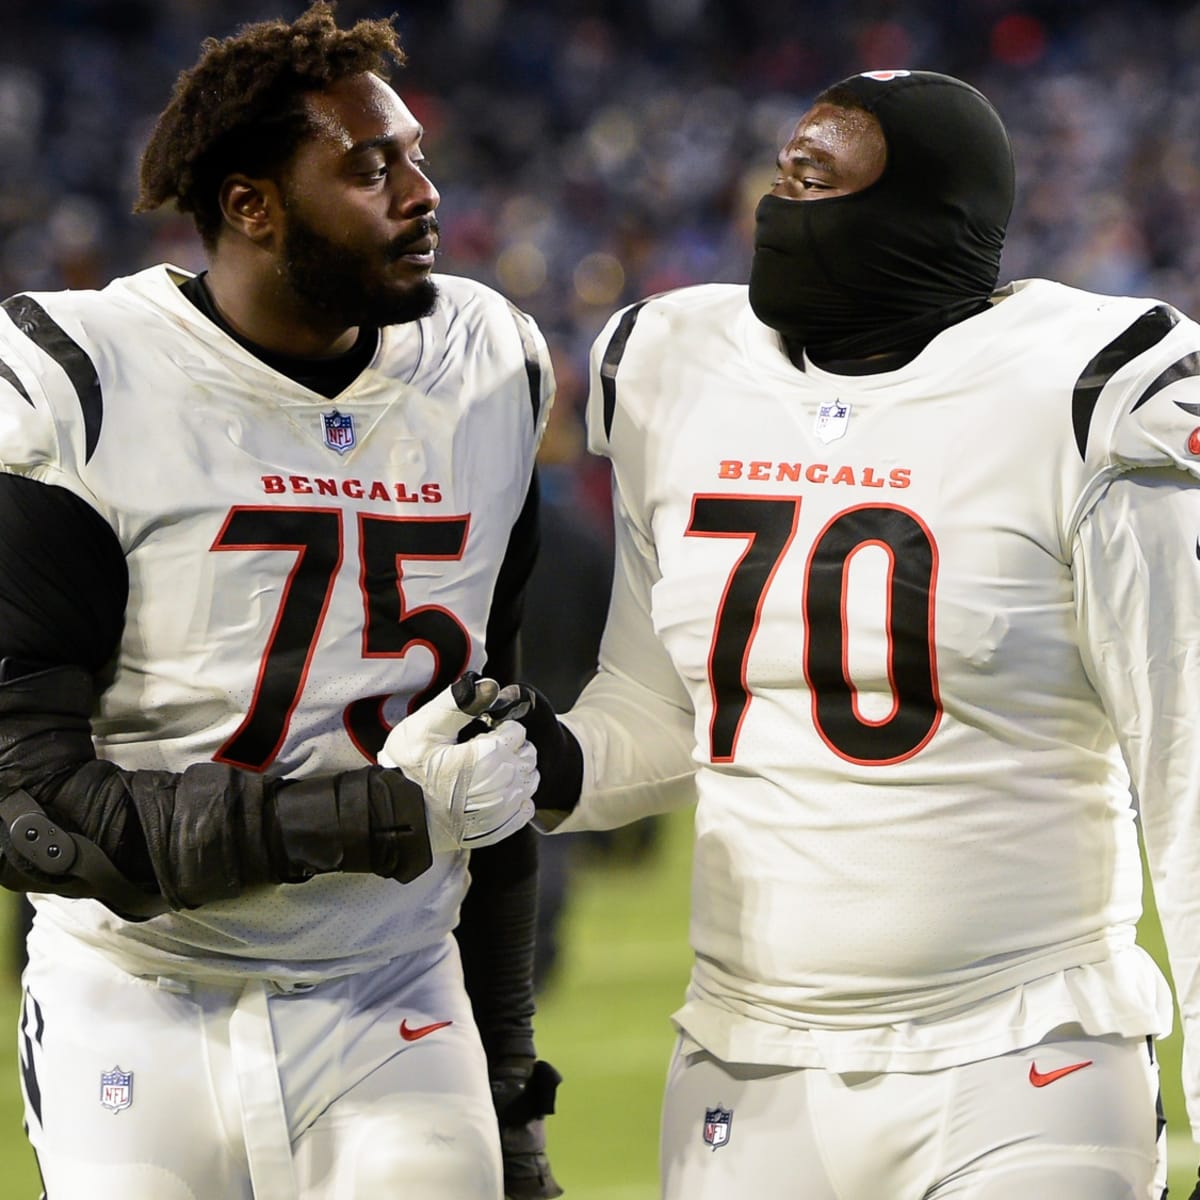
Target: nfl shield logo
[116,1089]
[339,431]
[832,420]
[716,1126]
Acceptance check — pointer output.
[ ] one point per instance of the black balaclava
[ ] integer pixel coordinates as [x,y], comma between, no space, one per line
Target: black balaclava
[883,270]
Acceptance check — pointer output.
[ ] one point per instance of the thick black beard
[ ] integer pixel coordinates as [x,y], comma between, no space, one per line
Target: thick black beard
[346,285]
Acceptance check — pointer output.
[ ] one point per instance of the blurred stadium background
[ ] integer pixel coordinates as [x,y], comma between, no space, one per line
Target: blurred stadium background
[590,152]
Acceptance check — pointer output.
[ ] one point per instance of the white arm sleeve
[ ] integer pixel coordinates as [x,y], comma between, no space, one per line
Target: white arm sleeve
[634,719]
[1137,566]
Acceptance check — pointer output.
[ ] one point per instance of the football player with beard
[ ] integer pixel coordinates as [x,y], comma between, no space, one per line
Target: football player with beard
[906,604]
[260,529]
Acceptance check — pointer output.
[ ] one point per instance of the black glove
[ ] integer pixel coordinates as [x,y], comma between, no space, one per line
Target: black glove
[1196,1190]
[524,1097]
[559,758]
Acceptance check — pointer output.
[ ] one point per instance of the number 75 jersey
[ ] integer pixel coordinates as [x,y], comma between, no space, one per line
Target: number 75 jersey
[864,587]
[302,570]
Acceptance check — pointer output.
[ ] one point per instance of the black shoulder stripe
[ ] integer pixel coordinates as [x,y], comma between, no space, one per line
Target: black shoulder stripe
[1182,368]
[612,360]
[533,366]
[9,376]
[41,329]
[1148,330]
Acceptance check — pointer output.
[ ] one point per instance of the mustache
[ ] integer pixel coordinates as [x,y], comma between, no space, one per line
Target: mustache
[425,228]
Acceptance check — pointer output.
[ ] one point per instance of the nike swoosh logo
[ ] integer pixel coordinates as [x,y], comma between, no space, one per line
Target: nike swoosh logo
[415,1035]
[1039,1080]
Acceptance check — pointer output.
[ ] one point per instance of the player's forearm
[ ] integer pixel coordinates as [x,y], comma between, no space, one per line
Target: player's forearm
[496,935]
[637,754]
[203,834]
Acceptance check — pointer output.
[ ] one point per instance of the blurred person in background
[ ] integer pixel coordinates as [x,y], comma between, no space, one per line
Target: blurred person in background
[565,603]
[258,528]
[904,602]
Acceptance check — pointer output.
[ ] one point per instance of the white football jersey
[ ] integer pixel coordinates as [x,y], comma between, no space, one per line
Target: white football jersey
[915,842]
[301,569]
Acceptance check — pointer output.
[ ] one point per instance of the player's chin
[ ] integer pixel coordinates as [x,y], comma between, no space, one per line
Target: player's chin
[399,304]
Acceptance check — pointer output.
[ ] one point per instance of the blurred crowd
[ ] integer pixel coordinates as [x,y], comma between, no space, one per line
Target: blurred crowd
[592,151]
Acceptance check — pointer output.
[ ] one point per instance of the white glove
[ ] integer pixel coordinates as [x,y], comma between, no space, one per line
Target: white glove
[476,792]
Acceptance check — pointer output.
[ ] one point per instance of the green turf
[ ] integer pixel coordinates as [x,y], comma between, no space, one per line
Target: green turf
[603,1024]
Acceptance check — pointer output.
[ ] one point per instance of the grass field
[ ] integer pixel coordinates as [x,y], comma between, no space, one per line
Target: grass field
[603,1024]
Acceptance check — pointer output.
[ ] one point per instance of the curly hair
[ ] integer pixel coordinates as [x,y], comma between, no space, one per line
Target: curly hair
[241,107]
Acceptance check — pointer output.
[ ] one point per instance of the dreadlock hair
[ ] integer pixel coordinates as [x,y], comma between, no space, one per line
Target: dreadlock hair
[241,107]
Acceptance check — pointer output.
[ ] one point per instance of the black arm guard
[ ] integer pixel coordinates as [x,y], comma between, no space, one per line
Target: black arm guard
[188,838]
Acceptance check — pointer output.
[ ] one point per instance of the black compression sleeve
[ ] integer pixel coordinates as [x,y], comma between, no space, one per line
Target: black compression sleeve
[496,933]
[498,924]
[63,580]
[508,600]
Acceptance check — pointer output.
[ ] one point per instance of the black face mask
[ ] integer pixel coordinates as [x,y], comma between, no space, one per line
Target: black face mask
[886,269]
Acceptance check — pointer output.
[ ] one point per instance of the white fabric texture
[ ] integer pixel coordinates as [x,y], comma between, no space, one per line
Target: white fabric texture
[877,617]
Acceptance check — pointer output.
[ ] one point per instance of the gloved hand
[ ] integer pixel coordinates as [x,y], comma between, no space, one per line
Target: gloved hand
[1196,1190]
[524,1097]
[476,792]
[559,758]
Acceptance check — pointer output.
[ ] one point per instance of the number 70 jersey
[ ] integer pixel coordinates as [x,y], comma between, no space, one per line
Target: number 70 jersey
[910,795]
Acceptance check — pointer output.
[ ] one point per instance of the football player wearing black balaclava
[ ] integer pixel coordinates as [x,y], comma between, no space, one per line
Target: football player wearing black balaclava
[906,244]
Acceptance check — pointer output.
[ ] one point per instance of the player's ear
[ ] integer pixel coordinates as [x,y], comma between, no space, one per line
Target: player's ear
[251,207]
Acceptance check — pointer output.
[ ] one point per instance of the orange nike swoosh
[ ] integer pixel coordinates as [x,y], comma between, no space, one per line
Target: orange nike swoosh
[413,1035]
[1039,1080]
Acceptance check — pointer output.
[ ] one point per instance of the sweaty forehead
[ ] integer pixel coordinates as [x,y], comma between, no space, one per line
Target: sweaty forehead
[358,109]
[838,130]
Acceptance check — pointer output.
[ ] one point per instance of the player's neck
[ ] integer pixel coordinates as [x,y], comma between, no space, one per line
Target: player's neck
[264,311]
[871,364]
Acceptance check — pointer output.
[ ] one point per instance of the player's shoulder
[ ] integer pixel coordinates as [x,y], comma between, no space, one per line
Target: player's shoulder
[683,313]
[90,308]
[1133,366]
[1057,314]
[463,300]
[477,329]
[77,329]
[470,316]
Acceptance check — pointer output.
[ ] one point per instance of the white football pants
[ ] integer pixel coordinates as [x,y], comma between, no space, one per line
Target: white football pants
[361,1088]
[1030,1125]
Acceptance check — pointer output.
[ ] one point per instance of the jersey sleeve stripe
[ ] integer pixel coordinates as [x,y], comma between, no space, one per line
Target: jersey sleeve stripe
[28,1069]
[1183,368]
[41,329]
[9,376]
[1148,330]
[612,360]
[533,366]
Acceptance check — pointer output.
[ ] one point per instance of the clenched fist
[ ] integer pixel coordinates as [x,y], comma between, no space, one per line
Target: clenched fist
[479,791]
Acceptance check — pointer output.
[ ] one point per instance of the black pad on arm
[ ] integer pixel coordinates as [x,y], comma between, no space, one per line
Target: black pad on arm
[37,854]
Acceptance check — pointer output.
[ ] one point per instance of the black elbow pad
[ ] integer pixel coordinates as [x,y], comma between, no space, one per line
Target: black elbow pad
[178,840]
[38,855]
